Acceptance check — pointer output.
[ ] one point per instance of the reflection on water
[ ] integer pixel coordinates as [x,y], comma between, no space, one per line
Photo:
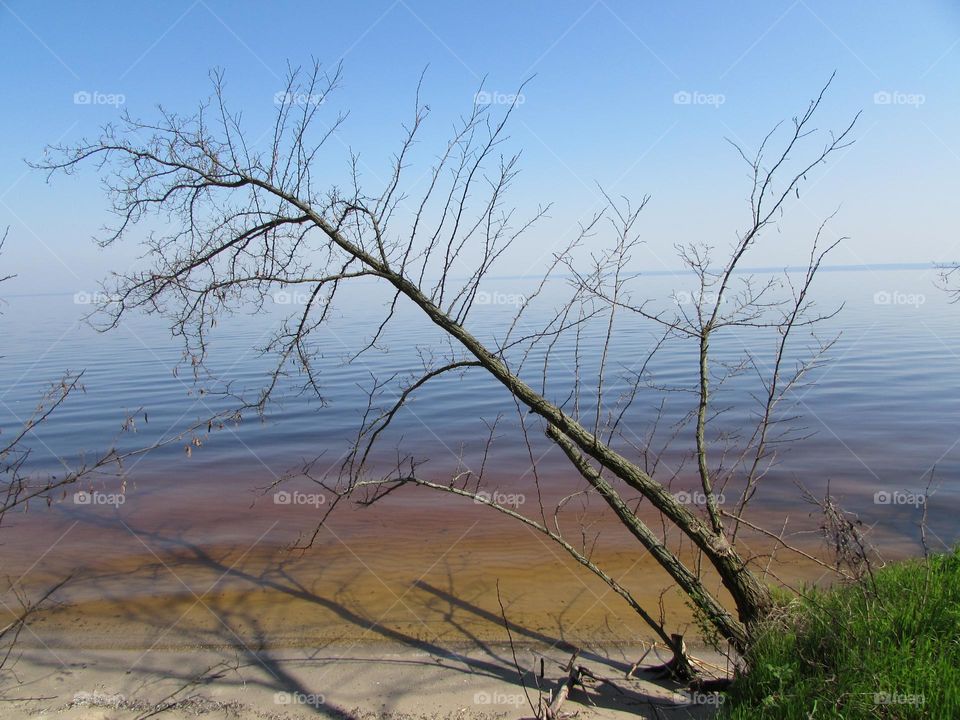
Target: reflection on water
[880,417]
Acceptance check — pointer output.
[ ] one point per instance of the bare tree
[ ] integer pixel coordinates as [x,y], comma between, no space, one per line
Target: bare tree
[244,220]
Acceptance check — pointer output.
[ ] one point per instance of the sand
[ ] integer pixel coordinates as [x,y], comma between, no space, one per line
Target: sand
[360,681]
[379,619]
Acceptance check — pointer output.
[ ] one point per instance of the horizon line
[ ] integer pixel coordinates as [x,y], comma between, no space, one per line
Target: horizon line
[852,267]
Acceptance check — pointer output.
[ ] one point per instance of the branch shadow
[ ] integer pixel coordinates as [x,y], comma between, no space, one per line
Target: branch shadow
[245,643]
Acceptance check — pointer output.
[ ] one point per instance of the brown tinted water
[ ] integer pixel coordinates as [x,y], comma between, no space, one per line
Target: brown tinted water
[195,555]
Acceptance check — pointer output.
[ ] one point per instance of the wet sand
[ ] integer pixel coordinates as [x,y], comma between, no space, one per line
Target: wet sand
[421,576]
[394,611]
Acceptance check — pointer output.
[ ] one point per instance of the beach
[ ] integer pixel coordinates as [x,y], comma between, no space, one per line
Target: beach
[356,681]
[408,628]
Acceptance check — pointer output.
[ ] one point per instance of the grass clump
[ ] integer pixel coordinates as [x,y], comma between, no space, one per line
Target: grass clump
[887,646]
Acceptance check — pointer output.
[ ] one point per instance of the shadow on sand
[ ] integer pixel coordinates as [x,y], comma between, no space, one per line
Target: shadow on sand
[248,658]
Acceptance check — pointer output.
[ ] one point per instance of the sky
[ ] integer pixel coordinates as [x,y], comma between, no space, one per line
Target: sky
[638,98]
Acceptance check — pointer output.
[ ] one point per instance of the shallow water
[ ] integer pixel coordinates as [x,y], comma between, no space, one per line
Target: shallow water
[879,417]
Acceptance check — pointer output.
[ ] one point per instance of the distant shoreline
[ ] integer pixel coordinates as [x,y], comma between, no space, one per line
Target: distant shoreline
[858,267]
[865,267]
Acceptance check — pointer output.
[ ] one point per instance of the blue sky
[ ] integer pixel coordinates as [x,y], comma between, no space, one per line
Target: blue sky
[602,107]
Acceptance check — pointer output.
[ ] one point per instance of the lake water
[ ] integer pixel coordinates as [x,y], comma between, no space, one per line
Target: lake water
[879,417]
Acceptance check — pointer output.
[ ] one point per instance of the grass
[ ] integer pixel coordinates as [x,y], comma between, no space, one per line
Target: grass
[886,647]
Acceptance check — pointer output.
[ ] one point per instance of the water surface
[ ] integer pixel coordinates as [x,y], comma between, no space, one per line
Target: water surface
[882,416]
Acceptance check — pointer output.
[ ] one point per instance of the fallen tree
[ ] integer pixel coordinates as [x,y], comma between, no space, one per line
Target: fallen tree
[242,222]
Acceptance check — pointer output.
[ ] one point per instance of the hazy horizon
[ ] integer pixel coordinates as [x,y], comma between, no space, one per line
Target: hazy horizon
[638,100]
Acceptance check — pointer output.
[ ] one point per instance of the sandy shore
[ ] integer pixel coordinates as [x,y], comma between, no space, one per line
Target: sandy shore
[432,579]
[380,619]
[355,681]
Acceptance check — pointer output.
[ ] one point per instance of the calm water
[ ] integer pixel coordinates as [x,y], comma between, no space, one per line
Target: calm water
[881,415]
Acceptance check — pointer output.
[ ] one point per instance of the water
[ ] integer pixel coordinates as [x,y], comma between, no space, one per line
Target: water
[882,415]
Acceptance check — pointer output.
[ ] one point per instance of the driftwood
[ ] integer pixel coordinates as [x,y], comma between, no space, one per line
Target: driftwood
[679,666]
[574,677]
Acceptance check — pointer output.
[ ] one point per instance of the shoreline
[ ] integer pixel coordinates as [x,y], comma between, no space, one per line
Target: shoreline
[267,599]
[434,578]
[387,616]
[378,680]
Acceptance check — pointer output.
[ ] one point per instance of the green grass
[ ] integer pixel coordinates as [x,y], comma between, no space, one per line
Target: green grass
[882,648]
